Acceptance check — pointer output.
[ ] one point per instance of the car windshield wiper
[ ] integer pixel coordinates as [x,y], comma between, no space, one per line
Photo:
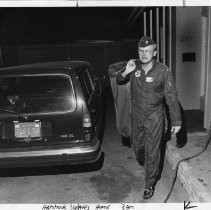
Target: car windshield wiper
[12,112]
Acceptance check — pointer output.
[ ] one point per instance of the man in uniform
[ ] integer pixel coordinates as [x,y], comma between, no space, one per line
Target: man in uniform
[150,83]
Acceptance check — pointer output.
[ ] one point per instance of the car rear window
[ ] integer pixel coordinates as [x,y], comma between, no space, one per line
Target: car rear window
[36,93]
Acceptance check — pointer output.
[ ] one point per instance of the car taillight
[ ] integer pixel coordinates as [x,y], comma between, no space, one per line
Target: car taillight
[87,121]
[87,126]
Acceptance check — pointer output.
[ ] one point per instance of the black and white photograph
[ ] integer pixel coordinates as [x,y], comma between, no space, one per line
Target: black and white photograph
[104,103]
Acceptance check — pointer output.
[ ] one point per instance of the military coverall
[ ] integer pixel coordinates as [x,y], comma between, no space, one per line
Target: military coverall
[147,113]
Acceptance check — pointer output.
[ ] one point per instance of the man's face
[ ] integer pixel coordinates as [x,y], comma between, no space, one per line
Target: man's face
[146,54]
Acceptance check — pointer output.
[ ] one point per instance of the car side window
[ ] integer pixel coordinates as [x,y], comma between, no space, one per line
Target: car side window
[87,83]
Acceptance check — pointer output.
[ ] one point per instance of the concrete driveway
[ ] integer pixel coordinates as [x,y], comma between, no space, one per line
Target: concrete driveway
[119,180]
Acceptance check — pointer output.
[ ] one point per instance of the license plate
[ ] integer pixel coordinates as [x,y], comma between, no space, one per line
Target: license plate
[28,129]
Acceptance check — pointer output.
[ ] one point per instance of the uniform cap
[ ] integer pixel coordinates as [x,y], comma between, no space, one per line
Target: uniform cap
[145,41]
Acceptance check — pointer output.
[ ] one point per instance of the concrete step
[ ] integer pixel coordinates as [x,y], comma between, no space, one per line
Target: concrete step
[194,174]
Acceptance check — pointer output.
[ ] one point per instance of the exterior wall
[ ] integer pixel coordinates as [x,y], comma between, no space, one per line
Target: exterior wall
[100,54]
[128,49]
[207,113]
[188,40]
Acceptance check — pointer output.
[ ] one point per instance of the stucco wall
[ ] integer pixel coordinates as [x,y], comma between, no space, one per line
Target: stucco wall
[188,40]
[207,115]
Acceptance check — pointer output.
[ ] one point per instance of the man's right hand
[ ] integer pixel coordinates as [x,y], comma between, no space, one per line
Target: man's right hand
[129,67]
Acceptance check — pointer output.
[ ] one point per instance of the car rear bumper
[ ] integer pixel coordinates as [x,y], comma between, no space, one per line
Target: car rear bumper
[61,156]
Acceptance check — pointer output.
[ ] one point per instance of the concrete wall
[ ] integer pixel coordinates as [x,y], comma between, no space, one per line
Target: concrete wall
[188,40]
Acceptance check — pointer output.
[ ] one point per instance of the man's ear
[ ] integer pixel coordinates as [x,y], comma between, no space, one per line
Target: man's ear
[154,53]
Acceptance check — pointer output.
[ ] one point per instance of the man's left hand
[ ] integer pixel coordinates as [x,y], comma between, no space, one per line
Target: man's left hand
[175,129]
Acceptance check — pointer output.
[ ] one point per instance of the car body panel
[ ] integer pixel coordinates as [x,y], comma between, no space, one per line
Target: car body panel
[62,137]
